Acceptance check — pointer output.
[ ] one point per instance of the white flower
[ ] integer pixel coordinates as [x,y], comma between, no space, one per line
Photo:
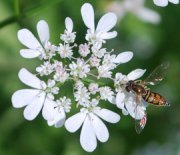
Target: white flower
[51,89]
[82,96]
[65,103]
[137,8]
[78,85]
[121,79]
[58,66]
[60,73]
[36,49]
[94,102]
[112,61]
[106,94]
[61,76]
[37,98]
[65,51]
[105,24]
[45,69]
[49,51]
[109,61]
[61,107]
[98,52]
[84,50]
[94,61]
[93,88]
[68,36]
[104,71]
[93,127]
[80,68]
[163,3]
[130,106]
[124,100]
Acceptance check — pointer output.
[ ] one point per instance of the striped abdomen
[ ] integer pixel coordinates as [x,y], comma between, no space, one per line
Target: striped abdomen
[154,98]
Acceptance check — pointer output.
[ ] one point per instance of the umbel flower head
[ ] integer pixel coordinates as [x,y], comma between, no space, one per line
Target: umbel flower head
[84,72]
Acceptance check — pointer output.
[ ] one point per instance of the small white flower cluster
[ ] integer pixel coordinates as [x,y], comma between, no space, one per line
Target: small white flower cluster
[137,8]
[85,72]
[164,3]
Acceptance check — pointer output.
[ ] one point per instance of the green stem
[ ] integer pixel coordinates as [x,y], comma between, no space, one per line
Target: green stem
[16,7]
[19,15]
[88,81]
[8,21]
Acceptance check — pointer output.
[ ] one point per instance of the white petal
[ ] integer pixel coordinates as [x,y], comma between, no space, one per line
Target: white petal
[100,129]
[135,74]
[136,111]
[174,1]
[29,79]
[131,106]
[125,112]
[107,22]
[43,31]
[48,109]
[112,100]
[148,15]
[87,13]
[87,138]
[33,108]
[69,24]
[120,97]
[73,123]
[60,122]
[59,119]
[29,53]
[140,113]
[124,57]
[23,97]
[120,76]
[108,115]
[28,39]
[161,2]
[109,35]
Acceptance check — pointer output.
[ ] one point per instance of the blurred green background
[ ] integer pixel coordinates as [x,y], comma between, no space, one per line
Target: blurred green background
[151,44]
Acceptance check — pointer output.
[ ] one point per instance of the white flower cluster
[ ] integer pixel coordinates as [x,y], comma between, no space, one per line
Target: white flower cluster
[138,8]
[164,3]
[85,71]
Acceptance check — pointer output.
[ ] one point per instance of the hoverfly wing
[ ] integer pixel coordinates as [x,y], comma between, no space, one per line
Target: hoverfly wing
[140,124]
[140,116]
[157,75]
